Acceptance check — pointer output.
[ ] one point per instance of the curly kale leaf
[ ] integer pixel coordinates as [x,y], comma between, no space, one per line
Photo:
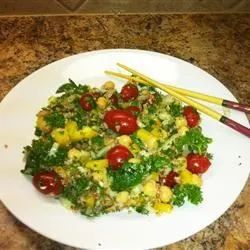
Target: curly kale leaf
[175,109]
[131,174]
[39,156]
[72,88]
[55,120]
[190,192]
[194,141]
[75,190]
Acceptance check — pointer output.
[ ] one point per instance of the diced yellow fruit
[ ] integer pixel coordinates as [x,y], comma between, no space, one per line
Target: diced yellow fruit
[154,177]
[61,136]
[88,132]
[109,85]
[102,102]
[90,201]
[100,176]
[122,197]
[74,153]
[149,140]
[156,132]
[186,177]
[77,135]
[182,130]
[60,171]
[165,194]
[124,140]
[180,122]
[71,127]
[134,160]
[196,180]
[163,208]
[81,155]
[97,164]
[150,188]
[41,123]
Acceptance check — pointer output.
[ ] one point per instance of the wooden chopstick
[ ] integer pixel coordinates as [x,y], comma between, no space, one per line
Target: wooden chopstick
[208,98]
[204,109]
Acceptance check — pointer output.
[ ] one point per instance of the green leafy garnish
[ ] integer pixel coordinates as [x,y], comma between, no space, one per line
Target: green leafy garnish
[75,190]
[71,87]
[55,120]
[190,192]
[142,210]
[193,141]
[131,174]
[175,109]
[39,156]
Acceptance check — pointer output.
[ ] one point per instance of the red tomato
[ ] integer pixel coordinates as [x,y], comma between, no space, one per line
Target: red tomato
[87,102]
[134,110]
[192,116]
[114,99]
[129,92]
[48,182]
[170,179]
[117,156]
[121,121]
[197,164]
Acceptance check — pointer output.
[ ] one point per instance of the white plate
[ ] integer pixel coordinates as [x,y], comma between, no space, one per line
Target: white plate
[222,183]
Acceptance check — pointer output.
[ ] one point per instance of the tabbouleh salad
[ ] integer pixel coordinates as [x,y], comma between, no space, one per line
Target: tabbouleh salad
[100,151]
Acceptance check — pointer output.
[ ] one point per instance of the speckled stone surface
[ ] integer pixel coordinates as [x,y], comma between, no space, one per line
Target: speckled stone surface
[219,44]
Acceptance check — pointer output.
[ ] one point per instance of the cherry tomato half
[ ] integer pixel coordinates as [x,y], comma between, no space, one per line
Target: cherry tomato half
[114,99]
[197,164]
[121,121]
[170,179]
[48,182]
[117,156]
[192,116]
[129,92]
[87,102]
[134,110]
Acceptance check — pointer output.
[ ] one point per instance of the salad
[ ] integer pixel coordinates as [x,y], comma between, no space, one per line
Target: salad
[98,150]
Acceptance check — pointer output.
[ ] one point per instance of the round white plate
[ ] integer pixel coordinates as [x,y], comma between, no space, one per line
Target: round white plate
[222,183]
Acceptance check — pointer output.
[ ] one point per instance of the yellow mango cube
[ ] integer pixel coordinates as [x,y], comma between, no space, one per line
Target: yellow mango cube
[122,197]
[165,194]
[148,139]
[150,188]
[162,208]
[90,201]
[97,164]
[186,177]
[61,136]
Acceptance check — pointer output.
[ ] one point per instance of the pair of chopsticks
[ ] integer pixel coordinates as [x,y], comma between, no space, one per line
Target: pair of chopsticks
[182,95]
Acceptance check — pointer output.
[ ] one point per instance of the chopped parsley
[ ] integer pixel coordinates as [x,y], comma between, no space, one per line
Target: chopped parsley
[190,192]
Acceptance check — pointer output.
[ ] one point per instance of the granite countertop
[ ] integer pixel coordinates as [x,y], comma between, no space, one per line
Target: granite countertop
[218,44]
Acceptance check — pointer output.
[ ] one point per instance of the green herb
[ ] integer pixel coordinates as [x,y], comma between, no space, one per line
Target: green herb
[152,109]
[131,174]
[136,140]
[175,109]
[38,132]
[75,190]
[142,210]
[67,87]
[72,88]
[55,120]
[98,140]
[38,156]
[135,103]
[190,192]
[194,141]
